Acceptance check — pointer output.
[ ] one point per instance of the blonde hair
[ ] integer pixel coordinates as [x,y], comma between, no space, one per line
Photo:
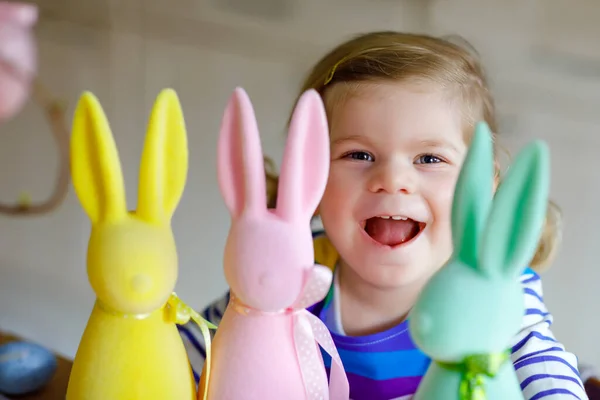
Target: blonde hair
[450,63]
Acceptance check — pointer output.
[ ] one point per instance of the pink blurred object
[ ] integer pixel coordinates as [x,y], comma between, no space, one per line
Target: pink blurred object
[18,81]
[18,55]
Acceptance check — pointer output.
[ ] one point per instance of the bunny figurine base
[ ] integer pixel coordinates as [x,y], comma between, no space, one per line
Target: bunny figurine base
[267,344]
[131,348]
[468,313]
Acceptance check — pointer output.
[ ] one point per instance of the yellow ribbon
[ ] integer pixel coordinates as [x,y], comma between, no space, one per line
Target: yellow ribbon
[183,313]
[475,369]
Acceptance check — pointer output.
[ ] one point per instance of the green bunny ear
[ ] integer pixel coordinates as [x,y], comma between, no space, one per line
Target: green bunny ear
[473,196]
[517,218]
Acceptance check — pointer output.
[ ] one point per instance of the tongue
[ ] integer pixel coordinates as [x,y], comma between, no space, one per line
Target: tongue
[391,232]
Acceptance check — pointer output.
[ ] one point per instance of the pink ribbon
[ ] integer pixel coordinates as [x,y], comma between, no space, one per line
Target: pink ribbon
[309,329]
[309,333]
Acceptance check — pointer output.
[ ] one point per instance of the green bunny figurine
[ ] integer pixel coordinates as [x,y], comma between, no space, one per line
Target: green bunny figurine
[469,311]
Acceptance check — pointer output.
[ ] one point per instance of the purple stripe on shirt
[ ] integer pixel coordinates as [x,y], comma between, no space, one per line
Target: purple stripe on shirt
[365,388]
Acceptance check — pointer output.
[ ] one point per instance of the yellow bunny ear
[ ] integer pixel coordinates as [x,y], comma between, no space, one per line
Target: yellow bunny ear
[164,164]
[95,165]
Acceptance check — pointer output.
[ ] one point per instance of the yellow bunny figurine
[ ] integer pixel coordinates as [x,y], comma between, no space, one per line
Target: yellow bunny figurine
[131,348]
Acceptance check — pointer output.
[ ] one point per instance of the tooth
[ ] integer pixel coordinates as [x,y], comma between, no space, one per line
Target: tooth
[396,217]
[385,217]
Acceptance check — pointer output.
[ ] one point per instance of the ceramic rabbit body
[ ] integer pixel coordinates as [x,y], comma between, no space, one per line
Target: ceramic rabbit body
[470,310]
[266,344]
[131,348]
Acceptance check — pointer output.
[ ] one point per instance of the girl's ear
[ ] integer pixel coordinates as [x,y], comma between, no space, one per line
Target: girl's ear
[517,218]
[95,165]
[473,196]
[164,164]
[240,167]
[305,166]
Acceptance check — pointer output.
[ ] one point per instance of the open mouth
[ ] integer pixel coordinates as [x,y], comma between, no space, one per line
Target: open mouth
[392,230]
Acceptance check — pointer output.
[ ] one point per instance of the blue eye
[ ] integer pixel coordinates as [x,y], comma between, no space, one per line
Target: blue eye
[429,159]
[360,156]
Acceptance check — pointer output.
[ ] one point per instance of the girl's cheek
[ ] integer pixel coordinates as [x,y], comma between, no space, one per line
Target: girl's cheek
[443,184]
[341,177]
[339,184]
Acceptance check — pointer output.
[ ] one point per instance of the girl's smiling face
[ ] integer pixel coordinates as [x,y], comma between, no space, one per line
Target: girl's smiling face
[396,152]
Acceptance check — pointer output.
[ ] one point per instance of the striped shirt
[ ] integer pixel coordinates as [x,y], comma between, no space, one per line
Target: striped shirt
[388,365]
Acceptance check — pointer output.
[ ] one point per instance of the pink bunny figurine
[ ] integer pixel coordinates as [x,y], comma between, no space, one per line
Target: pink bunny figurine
[18,60]
[266,344]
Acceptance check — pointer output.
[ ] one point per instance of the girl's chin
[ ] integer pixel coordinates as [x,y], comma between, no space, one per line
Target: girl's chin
[385,272]
[390,280]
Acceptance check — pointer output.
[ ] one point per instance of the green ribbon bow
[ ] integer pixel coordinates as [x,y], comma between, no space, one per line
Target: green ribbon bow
[475,369]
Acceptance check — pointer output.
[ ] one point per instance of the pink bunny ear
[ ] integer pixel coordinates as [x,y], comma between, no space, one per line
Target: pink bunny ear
[305,164]
[240,160]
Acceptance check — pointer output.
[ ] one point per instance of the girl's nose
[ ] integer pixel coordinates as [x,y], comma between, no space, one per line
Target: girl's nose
[393,177]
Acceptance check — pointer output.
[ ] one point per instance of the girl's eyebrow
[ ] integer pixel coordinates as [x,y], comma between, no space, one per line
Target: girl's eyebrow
[428,143]
[350,138]
[437,143]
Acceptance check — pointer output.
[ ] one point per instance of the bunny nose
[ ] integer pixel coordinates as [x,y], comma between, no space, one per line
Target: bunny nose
[265,280]
[141,283]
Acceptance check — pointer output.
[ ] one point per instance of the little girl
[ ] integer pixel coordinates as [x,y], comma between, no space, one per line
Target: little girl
[402,109]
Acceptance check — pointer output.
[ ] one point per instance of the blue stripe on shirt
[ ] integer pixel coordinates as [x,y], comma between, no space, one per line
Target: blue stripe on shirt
[551,349]
[545,359]
[551,392]
[530,335]
[199,347]
[390,365]
[536,377]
